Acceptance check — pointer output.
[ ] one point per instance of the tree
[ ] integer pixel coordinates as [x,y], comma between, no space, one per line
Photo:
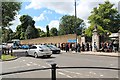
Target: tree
[47,29]
[105,17]
[9,10]
[29,33]
[67,26]
[27,28]
[54,31]
[41,32]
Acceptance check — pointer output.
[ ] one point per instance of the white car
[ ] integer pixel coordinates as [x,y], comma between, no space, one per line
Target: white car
[39,50]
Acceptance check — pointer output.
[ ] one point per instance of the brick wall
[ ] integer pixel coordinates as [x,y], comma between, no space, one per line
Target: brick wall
[54,40]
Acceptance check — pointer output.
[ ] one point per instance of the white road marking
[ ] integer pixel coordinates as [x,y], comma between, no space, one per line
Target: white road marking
[101,75]
[71,72]
[44,66]
[35,64]
[23,60]
[28,64]
[31,62]
[92,73]
[64,74]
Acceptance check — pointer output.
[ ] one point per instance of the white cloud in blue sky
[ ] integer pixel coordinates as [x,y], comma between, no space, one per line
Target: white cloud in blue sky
[49,12]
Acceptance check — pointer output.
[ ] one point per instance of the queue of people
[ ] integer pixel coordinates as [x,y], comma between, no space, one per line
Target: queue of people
[104,47]
[78,48]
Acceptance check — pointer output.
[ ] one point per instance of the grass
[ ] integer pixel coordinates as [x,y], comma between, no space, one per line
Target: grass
[7,57]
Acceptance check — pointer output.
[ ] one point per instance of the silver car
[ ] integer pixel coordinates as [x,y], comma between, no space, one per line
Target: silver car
[39,50]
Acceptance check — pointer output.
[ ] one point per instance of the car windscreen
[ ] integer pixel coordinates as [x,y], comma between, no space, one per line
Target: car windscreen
[44,47]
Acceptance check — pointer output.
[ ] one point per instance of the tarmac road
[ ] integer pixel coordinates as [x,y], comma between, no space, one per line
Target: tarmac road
[62,60]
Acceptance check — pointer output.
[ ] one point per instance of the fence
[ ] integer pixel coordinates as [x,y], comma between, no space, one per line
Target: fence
[54,67]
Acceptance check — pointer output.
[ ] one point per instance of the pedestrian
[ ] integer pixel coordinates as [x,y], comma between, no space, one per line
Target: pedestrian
[66,47]
[79,47]
[90,46]
[87,46]
[83,46]
[95,46]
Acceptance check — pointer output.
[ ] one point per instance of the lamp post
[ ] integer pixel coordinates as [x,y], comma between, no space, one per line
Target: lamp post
[75,25]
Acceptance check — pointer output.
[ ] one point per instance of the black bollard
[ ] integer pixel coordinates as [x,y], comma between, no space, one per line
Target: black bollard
[53,71]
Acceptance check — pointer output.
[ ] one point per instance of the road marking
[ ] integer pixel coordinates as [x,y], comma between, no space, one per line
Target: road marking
[71,72]
[28,64]
[39,65]
[101,75]
[35,64]
[23,60]
[31,62]
[44,66]
[64,74]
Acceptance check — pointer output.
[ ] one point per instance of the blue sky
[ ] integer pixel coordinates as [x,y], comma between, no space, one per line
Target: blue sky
[49,12]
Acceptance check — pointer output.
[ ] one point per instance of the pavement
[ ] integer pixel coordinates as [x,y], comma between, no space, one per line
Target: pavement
[111,54]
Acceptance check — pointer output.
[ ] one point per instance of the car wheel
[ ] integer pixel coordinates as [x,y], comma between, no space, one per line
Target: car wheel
[26,53]
[49,56]
[35,55]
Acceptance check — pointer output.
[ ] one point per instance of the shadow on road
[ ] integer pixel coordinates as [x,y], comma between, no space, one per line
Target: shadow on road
[23,54]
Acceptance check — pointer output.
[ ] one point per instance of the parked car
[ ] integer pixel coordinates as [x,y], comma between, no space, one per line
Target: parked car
[24,47]
[54,49]
[39,50]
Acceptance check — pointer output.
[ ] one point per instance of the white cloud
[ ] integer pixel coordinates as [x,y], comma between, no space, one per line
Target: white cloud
[42,28]
[15,23]
[42,16]
[84,7]
[39,18]
[58,6]
[54,23]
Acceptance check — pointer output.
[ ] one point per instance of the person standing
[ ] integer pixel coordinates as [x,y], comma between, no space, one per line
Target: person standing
[95,46]
[83,46]
[66,47]
[87,45]
[90,46]
[79,47]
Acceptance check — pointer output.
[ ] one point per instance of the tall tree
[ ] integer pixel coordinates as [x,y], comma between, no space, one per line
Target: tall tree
[47,29]
[27,28]
[9,11]
[105,16]
[54,31]
[41,32]
[67,25]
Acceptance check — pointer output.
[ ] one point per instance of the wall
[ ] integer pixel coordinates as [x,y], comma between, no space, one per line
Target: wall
[55,39]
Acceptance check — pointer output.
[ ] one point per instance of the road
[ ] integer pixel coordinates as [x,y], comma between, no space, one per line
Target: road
[62,60]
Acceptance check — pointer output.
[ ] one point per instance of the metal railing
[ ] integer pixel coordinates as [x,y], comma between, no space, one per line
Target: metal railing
[54,67]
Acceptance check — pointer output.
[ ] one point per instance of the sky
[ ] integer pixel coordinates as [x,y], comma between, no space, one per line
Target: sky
[49,12]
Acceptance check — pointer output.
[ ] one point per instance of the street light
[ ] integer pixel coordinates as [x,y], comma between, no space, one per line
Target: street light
[75,25]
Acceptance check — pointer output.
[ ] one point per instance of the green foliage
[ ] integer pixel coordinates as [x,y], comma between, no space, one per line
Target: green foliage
[67,25]
[105,17]
[54,31]
[41,32]
[27,29]
[9,10]
[6,34]
[100,30]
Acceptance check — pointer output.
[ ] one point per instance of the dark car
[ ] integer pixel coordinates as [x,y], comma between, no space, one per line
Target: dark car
[54,49]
